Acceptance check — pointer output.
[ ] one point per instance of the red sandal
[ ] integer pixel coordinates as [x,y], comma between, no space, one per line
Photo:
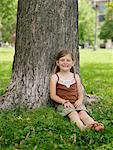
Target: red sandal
[97,126]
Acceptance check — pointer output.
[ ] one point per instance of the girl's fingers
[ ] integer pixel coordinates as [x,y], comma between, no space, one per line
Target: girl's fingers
[68,105]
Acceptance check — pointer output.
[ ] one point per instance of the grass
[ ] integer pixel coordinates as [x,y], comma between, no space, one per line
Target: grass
[44,129]
[6,58]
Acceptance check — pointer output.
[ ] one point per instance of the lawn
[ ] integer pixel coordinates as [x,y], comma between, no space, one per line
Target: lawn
[6,59]
[44,129]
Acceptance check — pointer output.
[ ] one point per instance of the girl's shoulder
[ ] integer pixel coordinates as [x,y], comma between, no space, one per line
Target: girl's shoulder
[77,77]
[54,77]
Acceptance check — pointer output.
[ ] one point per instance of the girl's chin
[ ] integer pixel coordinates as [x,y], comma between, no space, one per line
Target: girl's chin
[66,69]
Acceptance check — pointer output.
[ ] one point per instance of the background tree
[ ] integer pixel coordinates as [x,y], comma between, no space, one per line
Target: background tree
[86,22]
[8,9]
[106,31]
[43,27]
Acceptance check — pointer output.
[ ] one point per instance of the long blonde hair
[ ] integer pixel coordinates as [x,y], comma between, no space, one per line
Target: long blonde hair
[62,53]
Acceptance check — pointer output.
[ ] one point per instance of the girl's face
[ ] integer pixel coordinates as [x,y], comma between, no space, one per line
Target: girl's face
[65,63]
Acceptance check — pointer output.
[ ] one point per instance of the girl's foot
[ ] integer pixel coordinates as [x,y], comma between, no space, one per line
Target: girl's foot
[97,126]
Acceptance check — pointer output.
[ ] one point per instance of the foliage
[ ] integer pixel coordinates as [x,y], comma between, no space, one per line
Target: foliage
[43,128]
[86,22]
[107,27]
[8,10]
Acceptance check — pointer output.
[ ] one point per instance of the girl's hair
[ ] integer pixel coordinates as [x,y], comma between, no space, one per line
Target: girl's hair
[63,53]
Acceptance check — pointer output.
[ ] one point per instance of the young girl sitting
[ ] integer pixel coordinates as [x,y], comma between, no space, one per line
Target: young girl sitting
[67,94]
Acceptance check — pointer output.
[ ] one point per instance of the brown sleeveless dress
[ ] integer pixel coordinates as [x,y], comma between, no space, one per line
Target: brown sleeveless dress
[66,93]
[70,94]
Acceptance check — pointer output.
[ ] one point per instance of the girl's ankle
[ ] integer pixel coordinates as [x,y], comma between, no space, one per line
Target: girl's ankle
[83,128]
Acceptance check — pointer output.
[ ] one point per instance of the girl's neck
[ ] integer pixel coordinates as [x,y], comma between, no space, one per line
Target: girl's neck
[65,73]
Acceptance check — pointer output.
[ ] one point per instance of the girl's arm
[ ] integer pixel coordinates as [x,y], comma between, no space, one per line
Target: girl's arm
[79,88]
[54,97]
[80,91]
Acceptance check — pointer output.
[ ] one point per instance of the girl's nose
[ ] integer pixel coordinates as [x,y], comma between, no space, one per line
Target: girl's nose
[65,61]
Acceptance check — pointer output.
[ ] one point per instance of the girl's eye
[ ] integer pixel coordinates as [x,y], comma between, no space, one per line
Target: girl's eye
[68,60]
[65,59]
[62,60]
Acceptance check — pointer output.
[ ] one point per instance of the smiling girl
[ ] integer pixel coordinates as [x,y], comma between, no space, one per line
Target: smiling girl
[67,94]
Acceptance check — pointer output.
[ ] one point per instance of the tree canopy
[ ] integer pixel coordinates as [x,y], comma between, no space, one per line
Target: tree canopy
[106,31]
[8,9]
[86,22]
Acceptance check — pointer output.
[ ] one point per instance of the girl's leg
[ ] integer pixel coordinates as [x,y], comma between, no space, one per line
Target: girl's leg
[74,117]
[87,120]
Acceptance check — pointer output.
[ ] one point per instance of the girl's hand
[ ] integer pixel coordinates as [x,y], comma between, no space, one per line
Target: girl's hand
[68,105]
[77,103]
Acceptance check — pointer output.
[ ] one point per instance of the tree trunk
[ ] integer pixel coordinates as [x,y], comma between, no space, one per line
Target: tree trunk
[43,27]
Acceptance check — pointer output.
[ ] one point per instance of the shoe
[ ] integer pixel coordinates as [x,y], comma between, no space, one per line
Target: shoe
[97,126]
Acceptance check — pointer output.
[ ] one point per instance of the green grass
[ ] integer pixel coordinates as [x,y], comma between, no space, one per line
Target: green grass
[44,129]
[6,58]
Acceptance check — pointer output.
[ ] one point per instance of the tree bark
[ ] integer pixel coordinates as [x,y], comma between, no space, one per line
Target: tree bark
[43,28]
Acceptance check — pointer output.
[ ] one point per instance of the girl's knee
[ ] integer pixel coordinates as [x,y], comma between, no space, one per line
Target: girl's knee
[73,113]
[82,112]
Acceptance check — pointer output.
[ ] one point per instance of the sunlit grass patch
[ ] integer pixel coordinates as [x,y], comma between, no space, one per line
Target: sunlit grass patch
[100,56]
[6,60]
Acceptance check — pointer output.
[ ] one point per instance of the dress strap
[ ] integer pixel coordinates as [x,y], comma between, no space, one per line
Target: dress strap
[57,77]
[75,77]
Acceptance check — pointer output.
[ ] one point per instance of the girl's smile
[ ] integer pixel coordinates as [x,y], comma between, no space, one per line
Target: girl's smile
[65,63]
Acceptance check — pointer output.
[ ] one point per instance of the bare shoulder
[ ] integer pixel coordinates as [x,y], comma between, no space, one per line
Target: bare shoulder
[77,77]
[54,78]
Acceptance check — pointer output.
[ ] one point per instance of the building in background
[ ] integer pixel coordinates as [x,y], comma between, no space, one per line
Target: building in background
[101,8]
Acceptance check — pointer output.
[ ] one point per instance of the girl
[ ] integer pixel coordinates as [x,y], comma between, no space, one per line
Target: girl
[67,94]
